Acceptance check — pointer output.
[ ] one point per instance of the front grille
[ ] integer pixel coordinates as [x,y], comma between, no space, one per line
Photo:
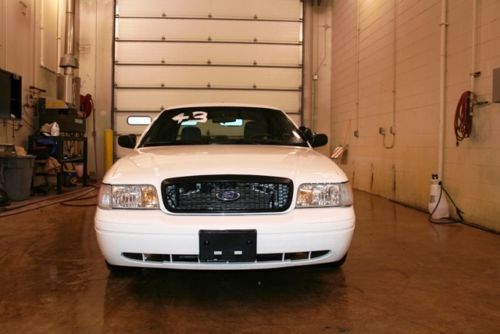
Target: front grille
[227,194]
[193,258]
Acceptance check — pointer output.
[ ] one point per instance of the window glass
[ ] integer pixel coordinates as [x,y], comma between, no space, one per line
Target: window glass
[138,120]
[222,125]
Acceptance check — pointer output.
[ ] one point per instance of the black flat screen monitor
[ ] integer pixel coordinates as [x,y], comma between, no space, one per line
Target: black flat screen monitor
[10,95]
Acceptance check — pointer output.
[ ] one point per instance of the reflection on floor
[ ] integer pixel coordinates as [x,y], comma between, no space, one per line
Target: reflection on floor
[403,275]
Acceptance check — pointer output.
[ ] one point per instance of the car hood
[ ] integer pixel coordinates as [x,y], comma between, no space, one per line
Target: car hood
[154,164]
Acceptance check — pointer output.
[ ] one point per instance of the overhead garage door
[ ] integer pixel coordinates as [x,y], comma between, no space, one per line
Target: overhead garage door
[171,52]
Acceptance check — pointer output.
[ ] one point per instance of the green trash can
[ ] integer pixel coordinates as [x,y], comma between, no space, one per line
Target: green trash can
[16,174]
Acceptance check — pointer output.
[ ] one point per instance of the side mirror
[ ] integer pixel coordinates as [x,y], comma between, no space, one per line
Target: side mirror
[318,140]
[306,132]
[127,141]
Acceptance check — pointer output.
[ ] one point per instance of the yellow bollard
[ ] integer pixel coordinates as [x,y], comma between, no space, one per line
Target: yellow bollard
[108,149]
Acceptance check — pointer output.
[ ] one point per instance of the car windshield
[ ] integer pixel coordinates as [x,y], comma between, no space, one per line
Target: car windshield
[222,125]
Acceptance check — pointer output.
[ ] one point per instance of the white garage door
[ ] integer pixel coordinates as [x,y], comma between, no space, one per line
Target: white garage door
[171,52]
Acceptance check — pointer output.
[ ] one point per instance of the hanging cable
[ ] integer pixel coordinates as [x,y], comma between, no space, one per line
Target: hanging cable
[94,138]
[73,202]
[392,129]
[87,106]
[459,212]
[463,116]
[66,198]
[446,220]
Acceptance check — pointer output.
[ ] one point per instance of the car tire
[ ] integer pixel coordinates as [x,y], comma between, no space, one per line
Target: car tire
[339,263]
[120,270]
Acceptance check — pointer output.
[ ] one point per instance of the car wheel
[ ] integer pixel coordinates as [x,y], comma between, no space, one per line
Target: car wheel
[339,263]
[120,270]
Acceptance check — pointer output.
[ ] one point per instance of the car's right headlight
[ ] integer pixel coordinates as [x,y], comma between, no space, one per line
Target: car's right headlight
[128,197]
[314,195]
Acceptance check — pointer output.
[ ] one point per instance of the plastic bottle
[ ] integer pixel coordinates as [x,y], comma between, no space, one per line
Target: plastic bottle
[438,198]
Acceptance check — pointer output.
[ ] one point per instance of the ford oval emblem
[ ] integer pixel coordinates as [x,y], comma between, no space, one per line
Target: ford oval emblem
[227,195]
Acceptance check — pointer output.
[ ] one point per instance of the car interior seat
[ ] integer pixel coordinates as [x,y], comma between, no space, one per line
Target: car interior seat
[191,134]
[255,129]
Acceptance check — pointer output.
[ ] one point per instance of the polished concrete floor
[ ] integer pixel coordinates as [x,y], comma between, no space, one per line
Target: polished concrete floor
[403,275]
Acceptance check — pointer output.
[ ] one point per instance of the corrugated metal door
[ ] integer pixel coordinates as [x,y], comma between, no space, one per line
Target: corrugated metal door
[171,52]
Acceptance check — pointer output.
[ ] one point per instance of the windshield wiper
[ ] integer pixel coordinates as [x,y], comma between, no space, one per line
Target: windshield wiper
[255,141]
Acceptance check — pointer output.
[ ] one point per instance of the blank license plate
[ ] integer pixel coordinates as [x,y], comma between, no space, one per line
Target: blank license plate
[228,245]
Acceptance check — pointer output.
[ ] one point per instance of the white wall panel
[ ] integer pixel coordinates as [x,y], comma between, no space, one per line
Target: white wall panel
[202,29]
[147,99]
[280,9]
[201,76]
[216,53]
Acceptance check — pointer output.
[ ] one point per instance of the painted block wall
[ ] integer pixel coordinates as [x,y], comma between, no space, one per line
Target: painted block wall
[473,168]
[96,39]
[16,36]
[317,67]
[388,76]
[31,43]
[22,52]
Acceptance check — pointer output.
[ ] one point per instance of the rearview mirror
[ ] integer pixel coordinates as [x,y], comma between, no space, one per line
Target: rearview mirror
[318,140]
[306,132]
[127,141]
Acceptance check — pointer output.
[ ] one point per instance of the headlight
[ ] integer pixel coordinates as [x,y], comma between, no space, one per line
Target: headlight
[128,197]
[313,195]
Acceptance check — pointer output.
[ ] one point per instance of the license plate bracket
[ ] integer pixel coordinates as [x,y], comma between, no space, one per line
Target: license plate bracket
[228,245]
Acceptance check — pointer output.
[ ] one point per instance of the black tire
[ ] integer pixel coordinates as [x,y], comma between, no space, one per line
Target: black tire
[120,270]
[339,263]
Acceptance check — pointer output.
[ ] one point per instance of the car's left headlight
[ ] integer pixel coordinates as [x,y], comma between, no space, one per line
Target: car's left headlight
[313,195]
[128,197]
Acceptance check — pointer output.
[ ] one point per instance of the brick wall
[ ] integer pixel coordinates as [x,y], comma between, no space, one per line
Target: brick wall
[388,76]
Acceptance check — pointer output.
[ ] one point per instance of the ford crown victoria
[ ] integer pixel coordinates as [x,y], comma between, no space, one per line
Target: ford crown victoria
[224,187]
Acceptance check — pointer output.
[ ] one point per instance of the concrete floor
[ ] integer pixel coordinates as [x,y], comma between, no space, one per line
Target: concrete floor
[403,275]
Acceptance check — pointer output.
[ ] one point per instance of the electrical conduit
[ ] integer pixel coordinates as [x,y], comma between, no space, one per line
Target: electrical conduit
[442,86]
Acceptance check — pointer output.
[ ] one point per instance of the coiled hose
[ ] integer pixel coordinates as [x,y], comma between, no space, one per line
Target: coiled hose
[463,116]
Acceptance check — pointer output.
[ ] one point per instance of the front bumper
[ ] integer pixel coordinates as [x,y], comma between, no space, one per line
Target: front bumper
[322,234]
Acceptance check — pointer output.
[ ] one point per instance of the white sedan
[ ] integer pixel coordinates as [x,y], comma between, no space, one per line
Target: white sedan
[224,187]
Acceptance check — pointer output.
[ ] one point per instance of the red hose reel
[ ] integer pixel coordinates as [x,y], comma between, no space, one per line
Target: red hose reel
[463,116]
[86,104]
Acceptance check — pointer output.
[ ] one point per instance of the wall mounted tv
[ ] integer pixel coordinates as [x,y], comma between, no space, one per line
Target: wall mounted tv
[10,95]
